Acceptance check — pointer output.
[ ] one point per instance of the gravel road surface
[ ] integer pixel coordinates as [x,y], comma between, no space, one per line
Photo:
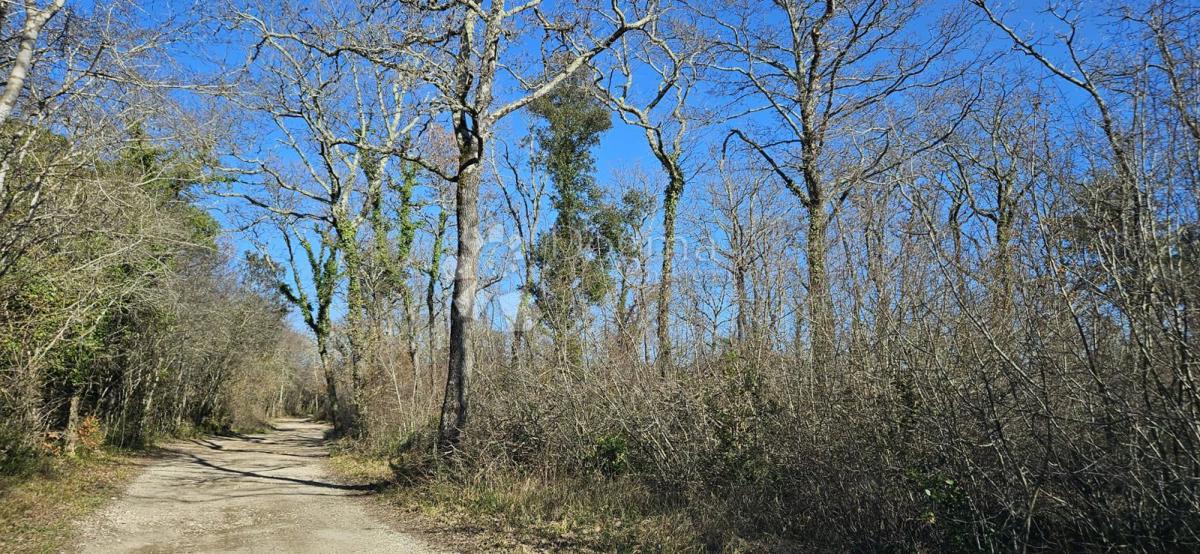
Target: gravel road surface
[251,493]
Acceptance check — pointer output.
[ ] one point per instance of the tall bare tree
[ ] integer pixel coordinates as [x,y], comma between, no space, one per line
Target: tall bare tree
[669,54]
[827,73]
[524,194]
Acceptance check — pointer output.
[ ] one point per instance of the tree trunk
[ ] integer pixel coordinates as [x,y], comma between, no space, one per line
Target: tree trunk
[454,407]
[278,411]
[1004,268]
[72,427]
[354,329]
[35,19]
[670,205]
[411,330]
[147,398]
[331,397]
[743,303]
[519,338]
[435,263]
[820,299]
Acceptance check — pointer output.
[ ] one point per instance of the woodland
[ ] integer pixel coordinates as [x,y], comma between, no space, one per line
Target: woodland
[728,275]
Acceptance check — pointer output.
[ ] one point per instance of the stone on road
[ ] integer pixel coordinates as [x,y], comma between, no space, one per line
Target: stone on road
[257,493]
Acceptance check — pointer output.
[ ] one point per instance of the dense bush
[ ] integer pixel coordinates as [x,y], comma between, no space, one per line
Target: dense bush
[132,319]
[737,445]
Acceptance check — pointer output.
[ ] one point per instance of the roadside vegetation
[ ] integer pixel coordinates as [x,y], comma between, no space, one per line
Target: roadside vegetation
[125,316]
[40,503]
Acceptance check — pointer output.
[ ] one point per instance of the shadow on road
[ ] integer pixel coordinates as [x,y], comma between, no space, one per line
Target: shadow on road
[369,487]
[298,442]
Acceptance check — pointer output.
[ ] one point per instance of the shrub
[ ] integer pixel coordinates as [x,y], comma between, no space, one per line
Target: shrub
[610,455]
[18,454]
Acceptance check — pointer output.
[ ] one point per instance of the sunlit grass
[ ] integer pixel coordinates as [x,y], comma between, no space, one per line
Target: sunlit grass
[37,510]
[510,511]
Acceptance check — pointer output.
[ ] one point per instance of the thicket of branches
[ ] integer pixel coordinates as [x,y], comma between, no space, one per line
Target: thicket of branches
[890,274]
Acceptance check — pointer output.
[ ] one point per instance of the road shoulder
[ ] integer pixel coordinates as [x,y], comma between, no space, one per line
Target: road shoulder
[38,512]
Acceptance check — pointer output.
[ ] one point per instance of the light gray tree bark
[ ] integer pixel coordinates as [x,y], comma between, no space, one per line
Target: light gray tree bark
[35,19]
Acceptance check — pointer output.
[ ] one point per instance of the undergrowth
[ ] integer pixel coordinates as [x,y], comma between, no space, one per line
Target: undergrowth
[511,509]
[38,507]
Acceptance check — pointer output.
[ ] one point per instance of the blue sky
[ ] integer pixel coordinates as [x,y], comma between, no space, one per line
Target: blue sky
[621,149]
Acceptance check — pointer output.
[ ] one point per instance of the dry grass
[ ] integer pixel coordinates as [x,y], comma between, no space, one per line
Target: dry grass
[503,512]
[37,511]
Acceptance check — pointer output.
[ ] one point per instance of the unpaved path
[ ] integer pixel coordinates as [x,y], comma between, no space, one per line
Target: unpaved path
[256,493]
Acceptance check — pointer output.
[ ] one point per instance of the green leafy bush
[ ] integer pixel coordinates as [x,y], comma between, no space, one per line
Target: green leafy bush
[610,455]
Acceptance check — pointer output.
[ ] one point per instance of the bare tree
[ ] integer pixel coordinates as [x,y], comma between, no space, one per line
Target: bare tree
[670,53]
[524,195]
[68,77]
[994,161]
[322,266]
[749,234]
[819,70]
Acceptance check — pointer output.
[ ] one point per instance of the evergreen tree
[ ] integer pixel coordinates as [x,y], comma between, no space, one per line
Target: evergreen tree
[571,256]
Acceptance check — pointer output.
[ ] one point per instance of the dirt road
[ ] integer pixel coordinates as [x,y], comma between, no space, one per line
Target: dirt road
[258,493]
